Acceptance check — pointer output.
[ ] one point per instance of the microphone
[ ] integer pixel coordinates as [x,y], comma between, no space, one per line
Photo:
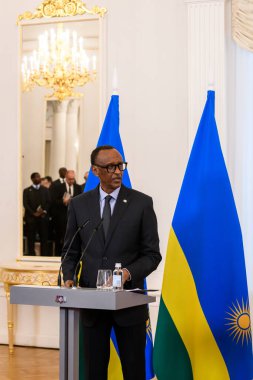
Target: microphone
[85,250]
[84,224]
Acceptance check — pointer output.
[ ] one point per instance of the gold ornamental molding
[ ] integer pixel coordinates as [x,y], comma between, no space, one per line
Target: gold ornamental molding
[28,277]
[61,8]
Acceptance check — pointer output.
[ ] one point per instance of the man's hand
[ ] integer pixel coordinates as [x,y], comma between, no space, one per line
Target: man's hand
[66,198]
[126,275]
[66,201]
[38,213]
[69,284]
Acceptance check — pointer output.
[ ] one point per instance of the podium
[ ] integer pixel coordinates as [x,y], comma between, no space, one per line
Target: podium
[70,301]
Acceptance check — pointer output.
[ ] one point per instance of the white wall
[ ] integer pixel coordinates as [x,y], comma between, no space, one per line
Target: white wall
[147,42]
[240,140]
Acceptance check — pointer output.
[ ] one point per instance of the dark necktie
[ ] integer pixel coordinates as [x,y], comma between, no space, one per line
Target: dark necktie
[106,214]
[70,190]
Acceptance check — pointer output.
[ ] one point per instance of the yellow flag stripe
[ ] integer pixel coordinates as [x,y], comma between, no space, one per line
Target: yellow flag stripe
[181,299]
[114,370]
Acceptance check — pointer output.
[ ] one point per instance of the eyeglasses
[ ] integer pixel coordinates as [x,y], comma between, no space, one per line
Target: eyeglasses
[112,168]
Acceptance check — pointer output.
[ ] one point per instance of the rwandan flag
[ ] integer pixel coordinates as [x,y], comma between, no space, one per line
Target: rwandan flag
[110,136]
[203,330]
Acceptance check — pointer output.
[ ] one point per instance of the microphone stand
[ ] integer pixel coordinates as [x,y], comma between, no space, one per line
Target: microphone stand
[70,245]
[85,250]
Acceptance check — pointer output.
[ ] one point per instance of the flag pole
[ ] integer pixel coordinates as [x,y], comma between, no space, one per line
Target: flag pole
[115,89]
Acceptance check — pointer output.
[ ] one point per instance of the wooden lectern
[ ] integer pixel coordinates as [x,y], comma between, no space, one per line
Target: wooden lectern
[70,301]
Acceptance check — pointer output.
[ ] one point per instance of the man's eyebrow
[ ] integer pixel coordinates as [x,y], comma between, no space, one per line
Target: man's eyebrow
[110,163]
[115,163]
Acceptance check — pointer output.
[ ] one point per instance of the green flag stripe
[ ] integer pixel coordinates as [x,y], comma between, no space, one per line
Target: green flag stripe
[171,359]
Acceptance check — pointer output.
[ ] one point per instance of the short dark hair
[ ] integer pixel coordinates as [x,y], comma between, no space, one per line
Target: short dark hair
[95,152]
[33,175]
[62,172]
[49,178]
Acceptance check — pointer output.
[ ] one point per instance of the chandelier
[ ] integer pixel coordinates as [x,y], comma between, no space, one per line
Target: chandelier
[60,63]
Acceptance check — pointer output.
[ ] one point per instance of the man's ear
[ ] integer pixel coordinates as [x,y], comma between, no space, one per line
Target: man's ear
[94,170]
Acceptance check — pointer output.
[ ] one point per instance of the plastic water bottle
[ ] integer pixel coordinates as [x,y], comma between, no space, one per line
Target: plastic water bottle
[117,278]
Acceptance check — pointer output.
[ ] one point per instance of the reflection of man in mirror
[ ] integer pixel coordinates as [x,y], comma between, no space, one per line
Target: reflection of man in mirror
[85,177]
[36,202]
[62,175]
[61,196]
[46,181]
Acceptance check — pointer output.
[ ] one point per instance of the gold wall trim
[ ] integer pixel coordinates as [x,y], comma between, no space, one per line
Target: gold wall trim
[29,277]
[61,8]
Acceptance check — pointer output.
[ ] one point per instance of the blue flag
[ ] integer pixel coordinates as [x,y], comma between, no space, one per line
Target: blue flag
[110,136]
[203,329]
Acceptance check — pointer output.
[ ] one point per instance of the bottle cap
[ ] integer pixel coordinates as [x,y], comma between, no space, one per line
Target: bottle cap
[118,265]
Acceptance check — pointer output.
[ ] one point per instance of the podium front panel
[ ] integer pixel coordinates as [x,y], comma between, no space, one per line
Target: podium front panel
[81,298]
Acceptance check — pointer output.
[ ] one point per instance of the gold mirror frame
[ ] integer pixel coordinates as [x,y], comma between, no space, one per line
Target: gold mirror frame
[61,8]
[48,12]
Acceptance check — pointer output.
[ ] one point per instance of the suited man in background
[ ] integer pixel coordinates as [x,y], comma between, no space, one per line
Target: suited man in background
[36,201]
[47,181]
[61,179]
[61,195]
[131,238]
[85,177]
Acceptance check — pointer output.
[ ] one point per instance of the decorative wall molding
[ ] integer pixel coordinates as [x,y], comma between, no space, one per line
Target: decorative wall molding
[206,62]
[61,8]
[35,340]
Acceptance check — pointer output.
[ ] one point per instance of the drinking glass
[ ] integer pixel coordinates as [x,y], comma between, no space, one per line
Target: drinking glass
[104,279]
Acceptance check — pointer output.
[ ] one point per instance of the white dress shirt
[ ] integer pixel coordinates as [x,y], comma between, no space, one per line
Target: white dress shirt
[113,200]
[103,194]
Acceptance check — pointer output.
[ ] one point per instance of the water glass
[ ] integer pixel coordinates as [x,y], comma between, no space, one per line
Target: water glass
[104,279]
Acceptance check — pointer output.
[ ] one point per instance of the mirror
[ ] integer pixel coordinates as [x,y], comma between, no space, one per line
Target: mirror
[54,134]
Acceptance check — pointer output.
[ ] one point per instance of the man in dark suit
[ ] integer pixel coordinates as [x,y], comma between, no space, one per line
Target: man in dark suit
[36,201]
[131,239]
[61,179]
[61,195]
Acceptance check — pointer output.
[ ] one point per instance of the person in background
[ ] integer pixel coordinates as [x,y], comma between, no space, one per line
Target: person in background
[61,179]
[46,181]
[85,177]
[36,201]
[53,210]
[61,196]
[129,236]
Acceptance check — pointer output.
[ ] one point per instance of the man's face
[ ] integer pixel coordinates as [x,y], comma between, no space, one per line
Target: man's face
[109,181]
[70,178]
[36,179]
[62,172]
[45,183]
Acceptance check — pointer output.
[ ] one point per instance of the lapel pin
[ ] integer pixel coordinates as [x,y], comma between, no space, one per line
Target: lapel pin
[124,200]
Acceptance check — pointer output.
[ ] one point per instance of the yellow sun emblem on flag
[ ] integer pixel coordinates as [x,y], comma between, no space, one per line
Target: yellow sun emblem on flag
[148,329]
[239,322]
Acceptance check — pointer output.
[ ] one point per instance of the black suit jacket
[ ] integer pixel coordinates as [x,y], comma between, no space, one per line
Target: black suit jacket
[132,240]
[57,182]
[32,198]
[59,209]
